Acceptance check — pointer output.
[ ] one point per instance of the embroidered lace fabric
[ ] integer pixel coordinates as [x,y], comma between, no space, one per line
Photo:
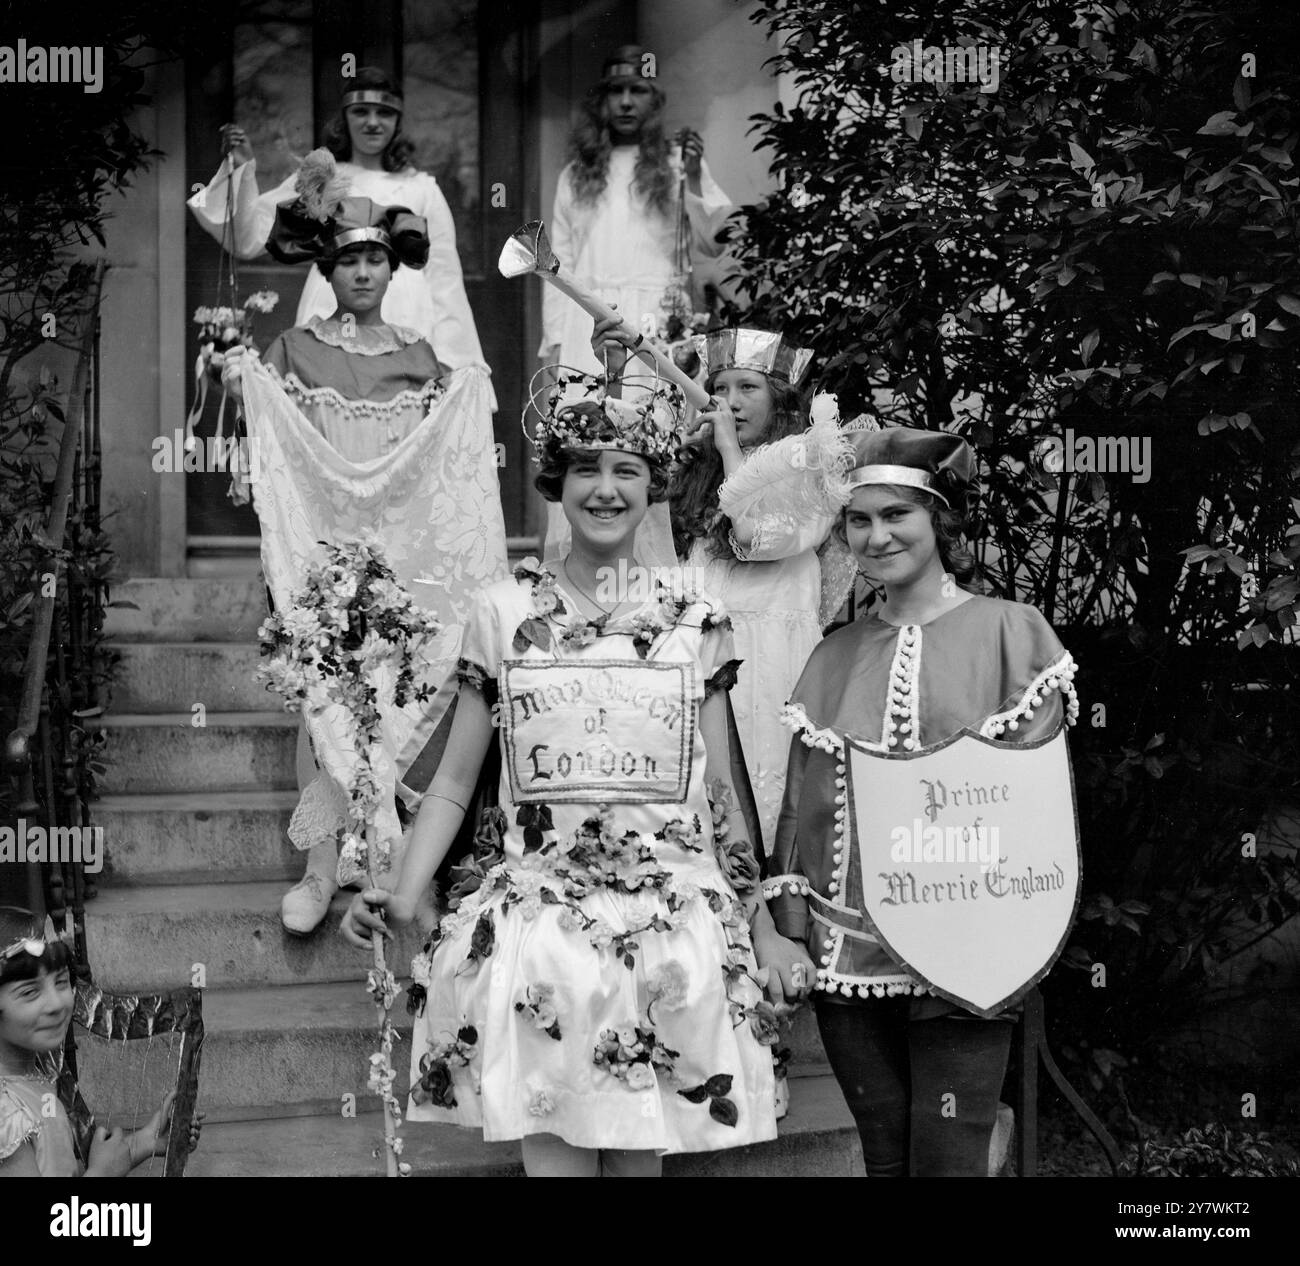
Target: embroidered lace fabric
[444,549]
[364,340]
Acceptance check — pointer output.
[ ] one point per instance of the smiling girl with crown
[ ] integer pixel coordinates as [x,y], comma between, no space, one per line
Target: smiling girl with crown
[595,989]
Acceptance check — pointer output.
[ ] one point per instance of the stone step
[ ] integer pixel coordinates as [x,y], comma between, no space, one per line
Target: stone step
[182,610]
[172,676]
[194,837]
[166,752]
[152,938]
[295,1050]
[817,1139]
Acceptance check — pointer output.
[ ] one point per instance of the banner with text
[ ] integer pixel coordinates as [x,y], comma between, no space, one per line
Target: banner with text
[598,730]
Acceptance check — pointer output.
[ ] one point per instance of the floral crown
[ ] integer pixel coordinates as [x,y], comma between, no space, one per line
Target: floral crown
[646,424]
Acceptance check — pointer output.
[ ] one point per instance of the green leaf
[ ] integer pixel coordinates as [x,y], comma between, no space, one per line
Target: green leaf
[1289,303]
[1221,124]
[1217,179]
[697,1094]
[719,1084]
[532,631]
[724,1112]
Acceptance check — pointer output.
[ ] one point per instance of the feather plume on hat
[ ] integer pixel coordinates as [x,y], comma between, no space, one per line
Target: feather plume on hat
[319,186]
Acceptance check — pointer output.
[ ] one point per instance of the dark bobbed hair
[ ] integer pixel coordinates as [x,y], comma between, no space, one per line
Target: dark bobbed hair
[696,481]
[590,144]
[15,923]
[397,153]
[949,522]
[555,465]
[326,266]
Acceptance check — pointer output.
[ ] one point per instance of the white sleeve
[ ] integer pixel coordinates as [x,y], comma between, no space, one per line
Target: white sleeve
[778,535]
[781,498]
[454,334]
[707,212]
[560,232]
[254,211]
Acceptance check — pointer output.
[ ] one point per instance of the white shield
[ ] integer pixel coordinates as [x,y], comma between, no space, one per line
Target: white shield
[970,861]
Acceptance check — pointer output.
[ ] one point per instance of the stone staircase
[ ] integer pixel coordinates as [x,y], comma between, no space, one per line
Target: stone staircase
[198,793]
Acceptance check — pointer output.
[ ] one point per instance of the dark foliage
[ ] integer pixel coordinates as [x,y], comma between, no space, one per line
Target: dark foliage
[1107,244]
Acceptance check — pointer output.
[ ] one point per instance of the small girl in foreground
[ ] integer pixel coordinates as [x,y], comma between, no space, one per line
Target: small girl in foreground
[36,1000]
[932,660]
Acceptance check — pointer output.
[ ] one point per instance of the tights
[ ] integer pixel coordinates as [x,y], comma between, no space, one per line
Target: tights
[924,1093]
[549,1156]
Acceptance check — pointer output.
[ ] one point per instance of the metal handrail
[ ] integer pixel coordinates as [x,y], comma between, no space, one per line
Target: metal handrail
[18,744]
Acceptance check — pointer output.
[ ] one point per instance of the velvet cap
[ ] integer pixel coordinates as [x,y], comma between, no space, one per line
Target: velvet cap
[299,238]
[936,462]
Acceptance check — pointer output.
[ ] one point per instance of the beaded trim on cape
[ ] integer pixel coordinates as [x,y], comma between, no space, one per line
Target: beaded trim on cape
[296,389]
[1056,676]
[369,340]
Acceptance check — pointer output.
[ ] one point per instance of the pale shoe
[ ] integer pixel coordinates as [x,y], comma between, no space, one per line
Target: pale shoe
[306,903]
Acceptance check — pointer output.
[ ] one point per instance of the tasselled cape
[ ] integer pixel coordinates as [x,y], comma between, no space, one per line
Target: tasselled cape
[992,666]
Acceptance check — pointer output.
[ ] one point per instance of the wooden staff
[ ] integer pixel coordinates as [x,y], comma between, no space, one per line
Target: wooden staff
[528,250]
[381,1009]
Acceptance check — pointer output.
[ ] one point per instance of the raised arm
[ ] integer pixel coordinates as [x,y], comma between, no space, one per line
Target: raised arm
[254,210]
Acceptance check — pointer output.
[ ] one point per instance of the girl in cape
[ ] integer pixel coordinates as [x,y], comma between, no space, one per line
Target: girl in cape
[374,162]
[932,660]
[595,989]
[367,386]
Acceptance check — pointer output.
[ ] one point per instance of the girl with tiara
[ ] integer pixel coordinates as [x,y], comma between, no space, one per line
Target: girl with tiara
[933,659]
[595,989]
[749,514]
[36,999]
[374,162]
[367,389]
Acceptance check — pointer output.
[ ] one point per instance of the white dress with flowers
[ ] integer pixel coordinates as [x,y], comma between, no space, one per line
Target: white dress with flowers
[595,978]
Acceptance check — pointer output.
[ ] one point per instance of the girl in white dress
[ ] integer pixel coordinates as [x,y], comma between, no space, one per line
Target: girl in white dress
[594,991]
[373,157]
[616,217]
[748,522]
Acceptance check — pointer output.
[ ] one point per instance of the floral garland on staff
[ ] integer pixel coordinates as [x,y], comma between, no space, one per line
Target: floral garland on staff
[350,621]
[230,327]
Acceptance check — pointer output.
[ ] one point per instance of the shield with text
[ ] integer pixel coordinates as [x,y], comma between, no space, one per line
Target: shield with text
[970,861]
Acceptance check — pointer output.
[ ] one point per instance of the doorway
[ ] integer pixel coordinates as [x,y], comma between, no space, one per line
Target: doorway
[274,66]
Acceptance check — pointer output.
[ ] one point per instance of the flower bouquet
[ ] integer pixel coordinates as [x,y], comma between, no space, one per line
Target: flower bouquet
[220,329]
[349,640]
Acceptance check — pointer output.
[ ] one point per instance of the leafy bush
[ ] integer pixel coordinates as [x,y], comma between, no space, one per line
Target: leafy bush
[1106,245]
[72,151]
[1213,1152]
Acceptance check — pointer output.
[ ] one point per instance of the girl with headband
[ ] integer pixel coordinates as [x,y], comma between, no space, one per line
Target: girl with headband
[374,159]
[933,659]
